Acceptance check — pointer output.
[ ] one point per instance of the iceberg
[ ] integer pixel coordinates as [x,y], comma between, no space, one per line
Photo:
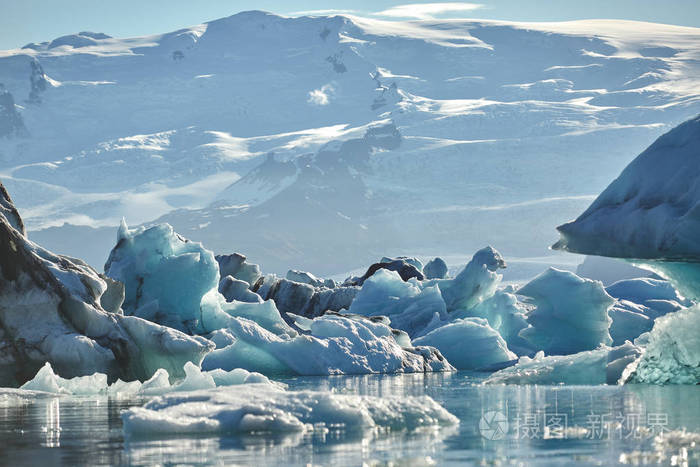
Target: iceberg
[600,366]
[303,299]
[308,278]
[650,215]
[671,352]
[58,309]
[335,344]
[477,281]
[261,408]
[237,290]
[639,302]
[237,266]
[409,305]
[153,264]
[652,210]
[46,380]
[570,315]
[469,344]
[156,262]
[435,269]
[506,315]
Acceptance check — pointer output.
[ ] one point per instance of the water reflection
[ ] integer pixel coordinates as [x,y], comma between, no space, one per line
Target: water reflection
[545,425]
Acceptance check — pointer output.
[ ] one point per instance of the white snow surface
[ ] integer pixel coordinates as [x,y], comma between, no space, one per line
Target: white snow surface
[488,112]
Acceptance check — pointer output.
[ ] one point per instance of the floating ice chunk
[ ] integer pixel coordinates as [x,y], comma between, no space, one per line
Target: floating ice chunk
[672,351]
[336,345]
[504,314]
[469,344]
[435,269]
[171,280]
[409,305]
[267,409]
[629,321]
[194,379]
[477,281]
[652,210]
[308,278]
[571,313]
[59,310]
[640,302]
[164,272]
[47,381]
[236,290]
[645,291]
[235,265]
[600,366]
[238,376]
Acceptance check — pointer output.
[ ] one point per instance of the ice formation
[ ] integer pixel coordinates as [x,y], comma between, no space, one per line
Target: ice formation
[571,313]
[237,290]
[651,215]
[600,366]
[335,344]
[410,306]
[435,269]
[303,299]
[46,380]
[255,408]
[651,212]
[238,267]
[308,278]
[155,263]
[639,302]
[469,344]
[59,310]
[671,351]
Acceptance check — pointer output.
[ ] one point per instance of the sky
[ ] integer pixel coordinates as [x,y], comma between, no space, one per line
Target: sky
[24,21]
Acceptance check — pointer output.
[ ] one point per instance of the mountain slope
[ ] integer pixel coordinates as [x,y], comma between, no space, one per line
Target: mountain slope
[505,130]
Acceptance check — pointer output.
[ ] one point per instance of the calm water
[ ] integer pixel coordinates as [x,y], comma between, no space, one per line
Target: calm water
[546,425]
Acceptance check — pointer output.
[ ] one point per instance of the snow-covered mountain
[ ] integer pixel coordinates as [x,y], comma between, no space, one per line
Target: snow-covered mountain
[325,141]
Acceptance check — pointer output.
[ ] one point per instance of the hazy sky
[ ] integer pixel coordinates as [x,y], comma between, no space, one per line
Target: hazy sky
[24,21]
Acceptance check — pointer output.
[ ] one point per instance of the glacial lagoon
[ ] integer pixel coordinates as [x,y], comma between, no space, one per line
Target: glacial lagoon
[498,425]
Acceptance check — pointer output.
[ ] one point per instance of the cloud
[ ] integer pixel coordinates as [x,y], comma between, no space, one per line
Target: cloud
[321,96]
[428,10]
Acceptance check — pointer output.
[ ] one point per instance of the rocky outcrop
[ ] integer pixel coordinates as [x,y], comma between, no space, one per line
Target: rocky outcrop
[11,123]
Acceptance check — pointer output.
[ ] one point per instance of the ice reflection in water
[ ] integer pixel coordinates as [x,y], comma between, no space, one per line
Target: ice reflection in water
[73,431]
